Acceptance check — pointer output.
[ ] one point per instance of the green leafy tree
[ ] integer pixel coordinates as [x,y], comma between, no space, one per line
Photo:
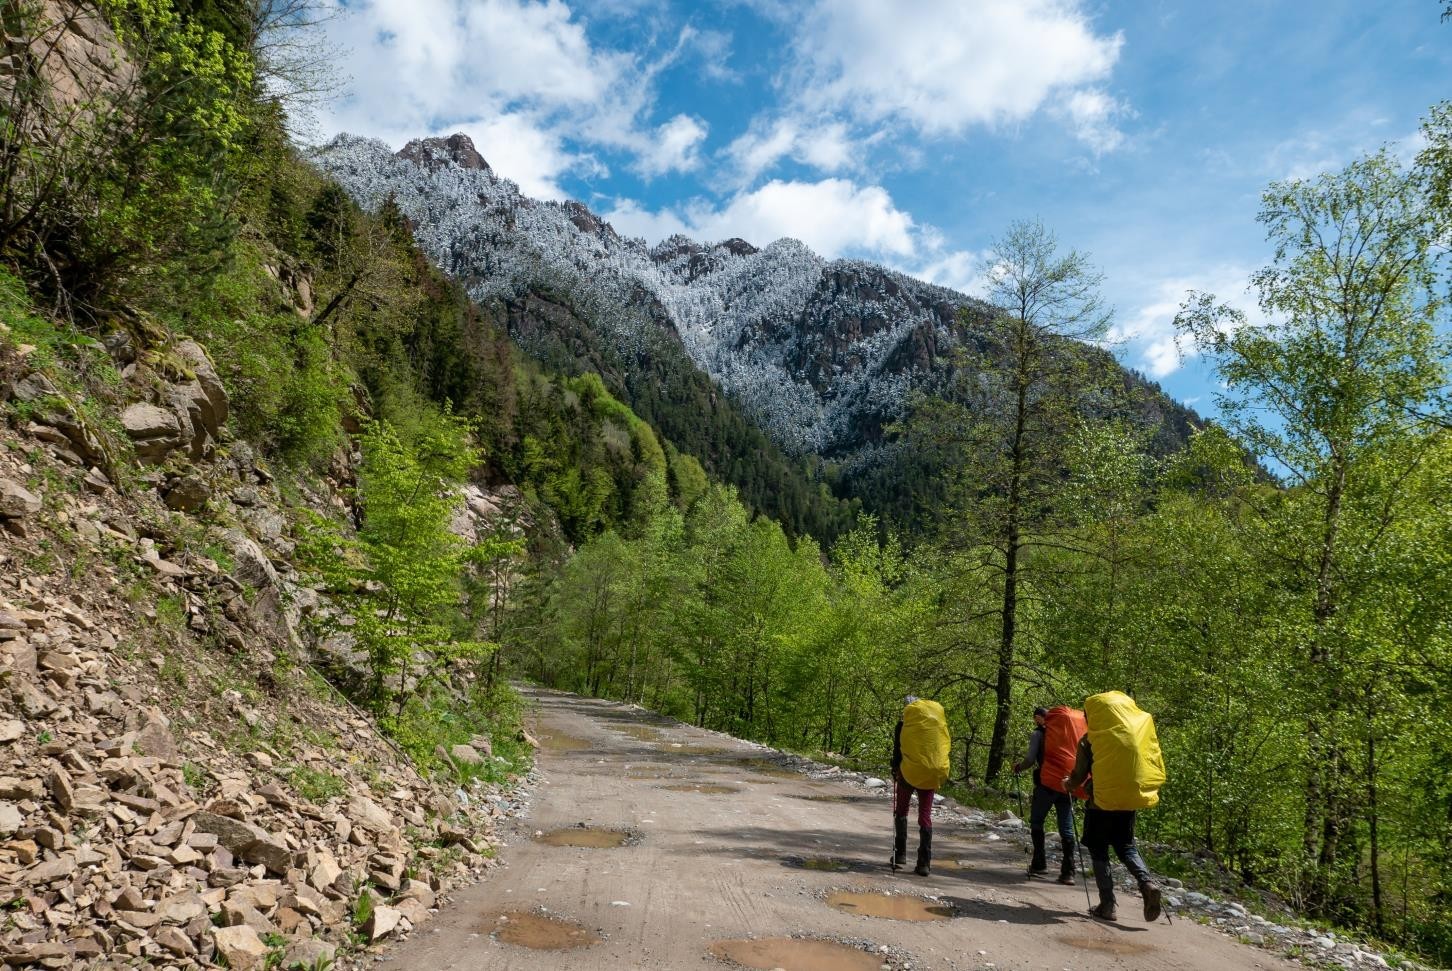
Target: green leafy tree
[1006,427]
[1345,368]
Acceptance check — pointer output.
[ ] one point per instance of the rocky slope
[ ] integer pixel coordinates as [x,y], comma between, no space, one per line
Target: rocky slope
[822,354]
[178,786]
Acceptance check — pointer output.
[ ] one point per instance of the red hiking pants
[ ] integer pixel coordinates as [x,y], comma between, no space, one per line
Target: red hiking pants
[904,795]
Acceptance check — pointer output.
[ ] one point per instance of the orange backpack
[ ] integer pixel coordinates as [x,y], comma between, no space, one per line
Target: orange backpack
[1063,727]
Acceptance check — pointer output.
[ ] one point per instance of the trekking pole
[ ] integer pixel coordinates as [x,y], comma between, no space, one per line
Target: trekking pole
[1018,791]
[1079,845]
[892,814]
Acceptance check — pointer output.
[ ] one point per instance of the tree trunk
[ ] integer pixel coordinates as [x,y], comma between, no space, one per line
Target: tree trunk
[1013,541]
[1324,825]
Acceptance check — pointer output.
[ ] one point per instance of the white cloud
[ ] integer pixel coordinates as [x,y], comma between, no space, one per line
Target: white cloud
[517,148]
[961,270]
[629,219]
[676,146]
[1149,332]
[521,76]
[832,216]
[946,65]
[827,148]
[1092,115]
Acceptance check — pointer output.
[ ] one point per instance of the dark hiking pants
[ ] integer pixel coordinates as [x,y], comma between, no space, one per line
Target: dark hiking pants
[1106,829]
[1045,799]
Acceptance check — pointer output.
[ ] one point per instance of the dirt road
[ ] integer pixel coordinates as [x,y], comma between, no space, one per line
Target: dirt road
[718,845]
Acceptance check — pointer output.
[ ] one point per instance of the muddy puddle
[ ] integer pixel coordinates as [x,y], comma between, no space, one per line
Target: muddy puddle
[827,864]
[649,772]
[956,866]
[1105,945]
[889,905]
[590,837]
[679,748]
[560,742]
[825,797]
[792,954]
[767,767]
[539,932]
[641,733]
[703,788]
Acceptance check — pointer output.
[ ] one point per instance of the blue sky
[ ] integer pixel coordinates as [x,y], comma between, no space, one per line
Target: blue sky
[912,132]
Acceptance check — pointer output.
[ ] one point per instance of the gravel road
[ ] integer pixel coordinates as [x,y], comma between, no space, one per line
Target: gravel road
[708,842]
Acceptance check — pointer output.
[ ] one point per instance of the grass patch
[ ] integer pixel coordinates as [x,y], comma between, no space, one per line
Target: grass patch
[315,785]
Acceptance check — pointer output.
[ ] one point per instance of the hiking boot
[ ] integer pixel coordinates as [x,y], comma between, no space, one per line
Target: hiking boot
[925,852]
[899,844]
[1151,894]
[1066,865]
[1105,911]
[1038,864]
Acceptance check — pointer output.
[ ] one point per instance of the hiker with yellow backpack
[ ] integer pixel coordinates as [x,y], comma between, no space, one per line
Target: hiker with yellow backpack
[920,748]
[1120,764]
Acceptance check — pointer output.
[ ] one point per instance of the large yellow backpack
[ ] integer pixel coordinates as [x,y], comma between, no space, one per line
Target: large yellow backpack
[925,745]
[1128,767]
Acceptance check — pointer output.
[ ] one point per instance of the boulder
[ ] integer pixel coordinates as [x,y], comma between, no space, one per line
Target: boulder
[466,755]
[16,501]
[156,432]
[382,922]
[240,947]
[368,814]
[214,394]
[187,494]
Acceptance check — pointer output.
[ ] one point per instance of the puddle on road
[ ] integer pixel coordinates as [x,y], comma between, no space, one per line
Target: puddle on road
[591,837]
[792,954]
[704,788]
[824,864]
[649,772]
[769,768]
[540,933]
[676,748]
[1105,945]
[823,797]
[559,742]
[891,906]
[641,733]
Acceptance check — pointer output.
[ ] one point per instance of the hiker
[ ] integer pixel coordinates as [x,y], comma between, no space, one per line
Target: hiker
[1045,797]
[1126,778]
[920,748]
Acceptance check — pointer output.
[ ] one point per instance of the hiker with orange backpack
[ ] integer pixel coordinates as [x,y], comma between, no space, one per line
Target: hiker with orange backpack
[1122,751]
[1051,751]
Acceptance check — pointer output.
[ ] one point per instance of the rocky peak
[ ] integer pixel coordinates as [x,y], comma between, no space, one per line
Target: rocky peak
[432,153]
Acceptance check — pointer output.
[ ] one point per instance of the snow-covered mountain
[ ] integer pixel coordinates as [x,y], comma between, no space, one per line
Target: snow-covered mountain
[820,353]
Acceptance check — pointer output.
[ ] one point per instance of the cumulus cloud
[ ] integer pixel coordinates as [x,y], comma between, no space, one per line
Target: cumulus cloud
[832,216]
[519,149]
[946,65]
[961,270]
[675,148]
[826,147]
[1149,334]
[520,76]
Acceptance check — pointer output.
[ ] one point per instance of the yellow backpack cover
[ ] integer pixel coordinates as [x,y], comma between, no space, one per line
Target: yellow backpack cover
[1128,767]
[925,745]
